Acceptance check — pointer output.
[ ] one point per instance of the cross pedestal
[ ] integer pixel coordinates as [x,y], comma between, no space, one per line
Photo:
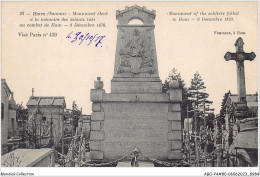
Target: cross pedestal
[240,56]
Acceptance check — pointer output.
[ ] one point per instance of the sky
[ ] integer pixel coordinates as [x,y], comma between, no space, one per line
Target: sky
[54,66]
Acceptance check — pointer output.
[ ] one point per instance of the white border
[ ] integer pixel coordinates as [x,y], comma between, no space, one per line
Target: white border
[126,171]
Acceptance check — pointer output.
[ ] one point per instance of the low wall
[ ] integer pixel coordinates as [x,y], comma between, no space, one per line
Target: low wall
[29,158]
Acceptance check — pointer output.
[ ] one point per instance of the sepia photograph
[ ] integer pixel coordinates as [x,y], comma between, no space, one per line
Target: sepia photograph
[129,84]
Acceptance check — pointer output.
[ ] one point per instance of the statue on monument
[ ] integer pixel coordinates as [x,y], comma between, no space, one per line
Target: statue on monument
[135,53]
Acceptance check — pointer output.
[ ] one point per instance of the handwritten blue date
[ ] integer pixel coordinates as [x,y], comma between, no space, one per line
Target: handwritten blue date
[96,39]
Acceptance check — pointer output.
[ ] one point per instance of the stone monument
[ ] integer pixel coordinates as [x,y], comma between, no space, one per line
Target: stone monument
[240,56]
[136,113]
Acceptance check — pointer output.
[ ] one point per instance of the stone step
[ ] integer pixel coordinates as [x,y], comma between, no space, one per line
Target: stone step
[127,163]
[141,164]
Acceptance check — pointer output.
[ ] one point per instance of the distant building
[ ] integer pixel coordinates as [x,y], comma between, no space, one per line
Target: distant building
[252,104]
[84,122]
[46,113]
[8,115]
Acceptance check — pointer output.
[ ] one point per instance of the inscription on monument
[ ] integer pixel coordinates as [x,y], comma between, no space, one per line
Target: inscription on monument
[129,125]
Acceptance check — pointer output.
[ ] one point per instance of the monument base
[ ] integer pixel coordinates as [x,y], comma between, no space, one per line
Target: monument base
[120,122]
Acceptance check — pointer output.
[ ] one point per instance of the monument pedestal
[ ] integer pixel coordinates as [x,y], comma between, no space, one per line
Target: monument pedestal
[122,121]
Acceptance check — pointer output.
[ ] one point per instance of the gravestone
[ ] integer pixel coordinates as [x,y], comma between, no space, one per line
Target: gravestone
[136,113]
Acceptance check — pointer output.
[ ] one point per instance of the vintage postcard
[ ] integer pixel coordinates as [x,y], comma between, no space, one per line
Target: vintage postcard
[129,84]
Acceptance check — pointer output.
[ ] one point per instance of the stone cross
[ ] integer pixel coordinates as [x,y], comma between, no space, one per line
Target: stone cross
[240,56]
